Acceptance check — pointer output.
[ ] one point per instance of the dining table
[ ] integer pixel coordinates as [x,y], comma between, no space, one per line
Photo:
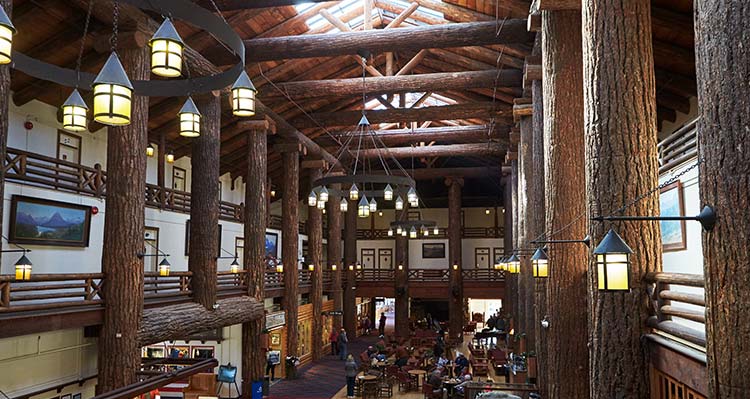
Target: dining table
[419,375]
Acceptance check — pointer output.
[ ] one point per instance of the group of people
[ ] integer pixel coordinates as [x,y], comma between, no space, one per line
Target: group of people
[339,343]
[496,321]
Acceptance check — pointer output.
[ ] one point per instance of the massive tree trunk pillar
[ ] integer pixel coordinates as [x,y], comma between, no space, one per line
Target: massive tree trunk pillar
[537,305]
[401,279]
[253,349]
[526,198]
[567,351]
[621,158]
[334,253]
[510,280]
[315,250]
[204,204]
[290,245]
[119,353]
[722,57]
[4,103]
[456,301]
[350,261]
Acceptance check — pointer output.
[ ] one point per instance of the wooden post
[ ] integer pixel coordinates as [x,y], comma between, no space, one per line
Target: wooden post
[161,154]
[722,57]
[350,259]
[567,343]
[119,356]
[315,250]
[290,245]
[507,215]
[401,279]
[204,204]
[4,103]
[526,176]
[253,261]
[456,301]
[537,305]
[511,280]
[621,159]
[334,253]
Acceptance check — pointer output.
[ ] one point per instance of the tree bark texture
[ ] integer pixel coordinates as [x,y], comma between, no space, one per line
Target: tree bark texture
[204,208]
[511,280]
[350,259]
[290,247]
[119,351]
[537,306]
[723,58]
[526,198]
[567,351]
[174,322]
[507,215]
[456,301]
[334,253]
[315,250]
[5,99]
[621,164]
[401,311]
[256,193]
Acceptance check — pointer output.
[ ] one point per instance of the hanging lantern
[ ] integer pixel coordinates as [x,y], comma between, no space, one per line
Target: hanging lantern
[425,231]
[344,205]
[435,231]
[503,264]
[613,263]
[388,193]
[390,232]
[113,94]
[399,203]
[400,267]
[170,157]
[166,51]
[354,193]
[279,268]
[23,268]
[311,267]
[74,113]
[359,267]
[312,199]
[243,96]
[411,195]
[403,233]
[323,194]
[321,206]
[150,150]
[164,267]
[234,267]
[7,30]
[190,119]
[373,205]
[540,264]
[351,268]
[487,211]
[333,267]
[398,229]
[455,266]
[413,232]
[273,193]
[514,264]
[363,209]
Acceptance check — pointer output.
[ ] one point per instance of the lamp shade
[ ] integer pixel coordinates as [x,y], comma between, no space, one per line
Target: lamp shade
[7,30]
[344,205]
[411,195]
[170,157]
[150,150]
[388,193]
[312,199]
[166,51]
[398,229]
[279,268]
[354,193]
[243,96]
[363,208]
[23,268]
[413,232]
[390,232]
[399,203]
[425,231]
[234,267]
[323,195]
[514,264]
[613,263]
[164,267]
[190,119]
[540,263]
[321,205]
[74,111]
[403,233]
[373,205]
[113,94]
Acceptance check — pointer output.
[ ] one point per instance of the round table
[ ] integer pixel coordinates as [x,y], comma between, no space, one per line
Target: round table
[419,375]
[450,384]
[364,379]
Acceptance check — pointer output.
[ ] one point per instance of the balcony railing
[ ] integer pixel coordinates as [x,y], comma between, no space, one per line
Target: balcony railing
[668,303]
[428,275]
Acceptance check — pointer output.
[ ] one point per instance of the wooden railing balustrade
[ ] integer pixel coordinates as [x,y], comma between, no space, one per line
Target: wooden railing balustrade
[50,291]
[666,303]
[441,275]
[429,275]
[466,232]
[679,147]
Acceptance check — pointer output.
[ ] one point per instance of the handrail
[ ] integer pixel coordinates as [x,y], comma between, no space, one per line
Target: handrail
[666,302]
[679,147]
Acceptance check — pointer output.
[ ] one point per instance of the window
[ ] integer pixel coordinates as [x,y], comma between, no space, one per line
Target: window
[68,147]
[151,246]
[239,249]
[178,178]
[219,191]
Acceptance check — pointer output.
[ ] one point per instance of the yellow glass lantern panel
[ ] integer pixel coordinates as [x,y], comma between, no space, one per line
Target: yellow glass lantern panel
[166,58]
[164,270]
[74,118]
[190,124]
[613,272]
[112,104]
[243,102]
[23,272]
[6,44]
[541,268]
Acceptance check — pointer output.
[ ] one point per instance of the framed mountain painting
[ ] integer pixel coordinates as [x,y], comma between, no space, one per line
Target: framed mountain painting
[40,221]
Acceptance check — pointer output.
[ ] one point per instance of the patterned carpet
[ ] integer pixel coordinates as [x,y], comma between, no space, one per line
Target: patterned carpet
[321,379]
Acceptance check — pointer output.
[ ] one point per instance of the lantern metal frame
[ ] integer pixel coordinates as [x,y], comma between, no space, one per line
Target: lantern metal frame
[611,244]
[23,263]
[539,257]
[168,34]
[73,120]
[707,218]
[190,119]
[8,24]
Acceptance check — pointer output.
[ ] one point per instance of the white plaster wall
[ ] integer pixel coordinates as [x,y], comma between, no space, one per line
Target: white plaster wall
[376,244]
[416,260]
[469,245]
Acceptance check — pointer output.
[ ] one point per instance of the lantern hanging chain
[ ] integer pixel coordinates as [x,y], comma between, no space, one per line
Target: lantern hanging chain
[83,42]
[115,21]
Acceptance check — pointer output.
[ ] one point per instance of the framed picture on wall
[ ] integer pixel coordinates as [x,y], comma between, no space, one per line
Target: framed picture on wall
[433,250]
[187,239]
[272,240]
[40,221]
[672,203]
[77,396]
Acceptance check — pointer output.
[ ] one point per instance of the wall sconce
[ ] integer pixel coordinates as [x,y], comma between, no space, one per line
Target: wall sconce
[273,193]
[400,267]
[311,267]
[540,264]
[164,265]
[23,268]
[280,268]
[351,268]
[455,266]
[150,150]
[333,267]
[359,267]
[613,263]
[514,264]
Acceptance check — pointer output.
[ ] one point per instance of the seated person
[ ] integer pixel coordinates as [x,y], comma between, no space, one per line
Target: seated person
[371,352]
[462,363]
[442,361]
[436,378]
[402,355]
[459,389]
[380,346]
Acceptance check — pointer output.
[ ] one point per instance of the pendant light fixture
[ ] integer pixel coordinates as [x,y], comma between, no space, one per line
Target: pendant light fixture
[388,193]
[312,199]
[74,111]
[390,232]
[170,157]
[435,231]
[363,209]
[411,195]
[373,205]
[23,268]
[7,30]
[323,196]
[425,231]
[234,267]
[150,150]
[514,264]
[190,119]
[613,263]
[399,230]
[354,192]
[243,96]
[113,94]
[399,203]
[403,233]
[540,264]
[344,205]
[164,266]
[321,205]
[413,232]
[166,51]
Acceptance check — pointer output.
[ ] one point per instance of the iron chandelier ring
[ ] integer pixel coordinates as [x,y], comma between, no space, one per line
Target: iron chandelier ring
[181,9]
[366,178]
[413,223]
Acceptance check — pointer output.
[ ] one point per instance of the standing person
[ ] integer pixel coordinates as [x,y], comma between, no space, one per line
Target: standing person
[381,325]
[350,368]
[366,324]
[342,341]
[333,339]
[272,359]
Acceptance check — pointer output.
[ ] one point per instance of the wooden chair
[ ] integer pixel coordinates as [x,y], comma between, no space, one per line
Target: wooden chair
[370,389]
[201,384]
[385,388]
[405,381]
[430,393]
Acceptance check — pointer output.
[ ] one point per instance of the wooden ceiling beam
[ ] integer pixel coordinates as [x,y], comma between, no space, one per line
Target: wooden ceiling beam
[460,134]
[506,9]
[382,40]
[396,84]
[483,149]
[232,5]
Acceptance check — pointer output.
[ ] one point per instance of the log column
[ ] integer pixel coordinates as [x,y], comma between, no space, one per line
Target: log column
[4,104]
[350,260]
[256,192]
[621,164]
[204,204]
[526,198]
[119,356]
[334,253]
[567,350]
[456,301]
[723,57]
[401,279]
[290,242]
[537,304]
[315,250]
